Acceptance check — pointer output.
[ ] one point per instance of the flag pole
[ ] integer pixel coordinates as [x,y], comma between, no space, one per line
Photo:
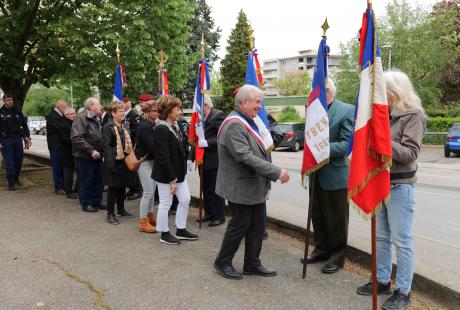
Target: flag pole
[118,52]
[200,209]
[311,194]
[373,238]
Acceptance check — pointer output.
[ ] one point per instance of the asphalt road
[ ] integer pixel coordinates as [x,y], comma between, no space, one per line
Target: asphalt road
[437,217]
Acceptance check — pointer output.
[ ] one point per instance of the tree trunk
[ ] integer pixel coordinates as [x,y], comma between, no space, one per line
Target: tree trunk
[17,89]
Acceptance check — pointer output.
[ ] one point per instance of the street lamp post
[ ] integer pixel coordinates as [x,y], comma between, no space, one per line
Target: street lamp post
[388,46]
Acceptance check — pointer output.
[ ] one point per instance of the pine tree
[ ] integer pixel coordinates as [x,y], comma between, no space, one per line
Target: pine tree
[202,23]
[234,63]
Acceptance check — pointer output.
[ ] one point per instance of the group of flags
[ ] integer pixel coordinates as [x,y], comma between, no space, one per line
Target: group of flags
[369,149]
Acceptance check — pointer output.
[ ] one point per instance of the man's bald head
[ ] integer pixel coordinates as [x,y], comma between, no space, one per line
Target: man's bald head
[61,105]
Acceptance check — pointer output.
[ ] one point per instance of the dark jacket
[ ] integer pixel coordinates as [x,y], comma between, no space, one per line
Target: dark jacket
[54,121]
[144,140]
[13,124]
[132,122]
[116,172]
[407,132]
[65,143]
[170,155]
[86,135]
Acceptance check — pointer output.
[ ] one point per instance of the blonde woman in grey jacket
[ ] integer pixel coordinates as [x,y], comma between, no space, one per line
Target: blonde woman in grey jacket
[394,221]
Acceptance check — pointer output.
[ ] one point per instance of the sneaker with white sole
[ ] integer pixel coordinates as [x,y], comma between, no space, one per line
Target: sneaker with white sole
[184,234]
[167,238]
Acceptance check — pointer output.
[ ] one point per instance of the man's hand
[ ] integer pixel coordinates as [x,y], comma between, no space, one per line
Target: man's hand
[173,188]
[27,143]
[95,154]
[202,143]
[284,176]
[189,165]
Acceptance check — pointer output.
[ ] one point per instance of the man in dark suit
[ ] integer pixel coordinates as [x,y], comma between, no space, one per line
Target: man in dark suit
[54,121]
[244,178]
[214,205]
[132,122]
[330,205]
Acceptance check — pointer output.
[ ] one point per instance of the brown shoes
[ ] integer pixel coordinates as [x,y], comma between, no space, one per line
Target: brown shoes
[152,216]
[60,192]
[144,226]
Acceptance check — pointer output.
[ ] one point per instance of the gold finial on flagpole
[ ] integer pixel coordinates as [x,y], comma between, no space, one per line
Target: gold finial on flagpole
[325,27]
[251,37]
[202,46]
[118,52]
[163,58]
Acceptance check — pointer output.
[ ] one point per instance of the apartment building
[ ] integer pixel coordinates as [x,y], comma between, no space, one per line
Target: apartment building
[278,68]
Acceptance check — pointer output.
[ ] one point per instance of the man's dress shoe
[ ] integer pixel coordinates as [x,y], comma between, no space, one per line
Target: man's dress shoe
[228,272]
[215,223]
[260,271]
[331,267]
[316,257]
[89,209]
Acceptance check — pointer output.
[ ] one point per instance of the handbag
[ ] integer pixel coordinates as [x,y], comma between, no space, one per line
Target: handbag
[132,162]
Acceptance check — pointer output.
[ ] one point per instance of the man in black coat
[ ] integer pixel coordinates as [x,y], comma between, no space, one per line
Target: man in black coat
[214,205]
[132,122]
[53,123]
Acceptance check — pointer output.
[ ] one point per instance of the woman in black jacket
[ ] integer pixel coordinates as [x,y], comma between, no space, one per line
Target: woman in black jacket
[169,169]
[67,160]
[145,148]
[117,144]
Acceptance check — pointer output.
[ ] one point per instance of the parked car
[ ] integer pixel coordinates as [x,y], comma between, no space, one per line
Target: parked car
[37,125]
[452,140]
[293,135]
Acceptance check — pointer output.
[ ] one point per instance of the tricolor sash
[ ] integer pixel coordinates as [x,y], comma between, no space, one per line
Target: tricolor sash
[246,125]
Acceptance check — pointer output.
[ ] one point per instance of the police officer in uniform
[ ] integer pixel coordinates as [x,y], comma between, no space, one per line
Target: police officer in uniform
[13,130]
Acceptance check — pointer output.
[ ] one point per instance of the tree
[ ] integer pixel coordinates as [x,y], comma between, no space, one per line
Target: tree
[74,40]
[233,67]
[347,78]
[202,23]
[216,83]
[297,83]
[40,100]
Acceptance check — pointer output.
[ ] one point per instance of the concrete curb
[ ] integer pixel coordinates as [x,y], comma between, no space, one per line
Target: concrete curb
[440,293]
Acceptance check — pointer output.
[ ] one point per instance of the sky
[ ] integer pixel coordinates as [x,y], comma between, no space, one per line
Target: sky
[282,28]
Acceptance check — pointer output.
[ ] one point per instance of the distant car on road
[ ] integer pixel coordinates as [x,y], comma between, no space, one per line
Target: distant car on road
[452,140]
[37,125]
[293,135]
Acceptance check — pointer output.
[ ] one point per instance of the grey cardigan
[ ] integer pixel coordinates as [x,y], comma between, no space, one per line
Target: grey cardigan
[407,132]
[245,170]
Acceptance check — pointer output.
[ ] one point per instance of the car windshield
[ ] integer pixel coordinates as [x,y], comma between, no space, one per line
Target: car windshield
[455,128]
[285,127]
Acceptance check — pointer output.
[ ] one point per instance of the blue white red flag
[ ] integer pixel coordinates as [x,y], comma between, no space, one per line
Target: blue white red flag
[196,132]
[370,143]
[163,87]
[261,119]
[120,82]
[316,144]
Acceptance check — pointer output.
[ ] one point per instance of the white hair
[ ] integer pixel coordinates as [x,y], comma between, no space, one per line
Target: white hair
[331,86]
[247,91]
[400,87]
[208,101]
[89,102]
[68,110]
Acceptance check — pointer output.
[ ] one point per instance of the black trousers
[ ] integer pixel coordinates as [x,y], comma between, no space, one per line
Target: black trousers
[116,194]
[248,222]
[67,172]
[330,221]
[214,205]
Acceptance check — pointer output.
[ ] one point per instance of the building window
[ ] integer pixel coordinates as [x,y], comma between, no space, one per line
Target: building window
[301,59]
[300,68]
[309,59]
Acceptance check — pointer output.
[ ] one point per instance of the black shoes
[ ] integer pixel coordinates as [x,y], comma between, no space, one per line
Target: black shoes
[397,301]
[99,206]
[89,209]
[332,267]
[72,195]
[260,271]
[167,238]
[134,195]
[228,272]
[206,218]
[215,223]
[382,289]
[11,187]
[316,257]
[184,234]
[111,219]
[124,213]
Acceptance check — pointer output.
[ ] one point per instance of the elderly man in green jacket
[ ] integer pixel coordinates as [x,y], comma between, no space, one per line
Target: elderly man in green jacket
[330,204]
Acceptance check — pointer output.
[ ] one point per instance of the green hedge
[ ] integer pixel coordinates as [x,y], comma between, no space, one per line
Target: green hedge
[440,124]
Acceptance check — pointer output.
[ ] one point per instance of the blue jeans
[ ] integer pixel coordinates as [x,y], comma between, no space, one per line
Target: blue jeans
[90,185]
[56,164]
[13,153]
[394,226]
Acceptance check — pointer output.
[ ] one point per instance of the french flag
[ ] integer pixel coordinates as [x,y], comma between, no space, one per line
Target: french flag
[370,143]
[120,82]
[196,132]
[163,87]
[316,144]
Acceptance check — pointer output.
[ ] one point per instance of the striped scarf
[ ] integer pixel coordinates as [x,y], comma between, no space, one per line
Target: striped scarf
[128,143]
